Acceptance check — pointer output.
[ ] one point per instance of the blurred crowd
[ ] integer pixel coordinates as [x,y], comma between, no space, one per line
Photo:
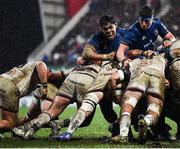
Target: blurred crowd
[172,20]
[124,11]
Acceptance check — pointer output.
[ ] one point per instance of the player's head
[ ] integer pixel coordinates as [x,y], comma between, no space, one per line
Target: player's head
[145,17]
[108,26]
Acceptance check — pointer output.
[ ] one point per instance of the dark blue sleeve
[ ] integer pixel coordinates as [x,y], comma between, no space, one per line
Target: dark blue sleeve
[161,28]
[93,41]
[129,38]
[122,31]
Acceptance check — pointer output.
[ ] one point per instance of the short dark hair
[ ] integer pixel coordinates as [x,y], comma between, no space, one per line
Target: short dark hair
[104,20]
[146,11]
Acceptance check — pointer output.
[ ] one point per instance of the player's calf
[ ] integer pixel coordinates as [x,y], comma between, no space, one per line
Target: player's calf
[84,111]
[37,123]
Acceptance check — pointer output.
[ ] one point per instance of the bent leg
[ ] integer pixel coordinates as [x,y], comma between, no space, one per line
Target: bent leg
[153,110]
[8,120]
[57,107]
[88,105]
[129,101]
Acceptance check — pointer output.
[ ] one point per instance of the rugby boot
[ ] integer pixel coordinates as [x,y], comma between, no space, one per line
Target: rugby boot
[114,129]
[166,137]
[163,134]
[30,133]
[56,126]
[120,139]
[18,131]
[55,129]
[142,129]
[170,137]
[63,137]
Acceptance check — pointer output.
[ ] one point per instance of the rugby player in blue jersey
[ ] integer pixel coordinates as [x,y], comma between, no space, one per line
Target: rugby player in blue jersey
[104,44]
[143,34]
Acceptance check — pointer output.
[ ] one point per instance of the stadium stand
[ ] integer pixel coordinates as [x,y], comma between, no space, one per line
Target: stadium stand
[171,18]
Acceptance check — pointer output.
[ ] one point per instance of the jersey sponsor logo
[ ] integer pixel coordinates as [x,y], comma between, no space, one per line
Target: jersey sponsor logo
[149,43]
[156,32]
[146,45]
[144,37]
[72,81]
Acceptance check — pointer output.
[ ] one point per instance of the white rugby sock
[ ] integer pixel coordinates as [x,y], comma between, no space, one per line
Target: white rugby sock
[125,123]
[41,120]
[149,119]
[76,121]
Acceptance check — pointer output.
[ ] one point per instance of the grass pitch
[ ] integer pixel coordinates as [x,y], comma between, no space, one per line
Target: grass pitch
[87,137]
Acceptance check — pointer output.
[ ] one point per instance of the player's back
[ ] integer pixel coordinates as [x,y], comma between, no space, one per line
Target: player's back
[21,76]
[152,66]
[91,69]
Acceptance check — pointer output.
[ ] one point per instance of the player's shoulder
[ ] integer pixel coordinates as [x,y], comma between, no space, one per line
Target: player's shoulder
[134,28]
[120,31]
[132,31]
[156,21]
[95,37]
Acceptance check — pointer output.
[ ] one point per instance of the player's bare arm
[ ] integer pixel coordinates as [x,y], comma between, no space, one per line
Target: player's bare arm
[168,39]
[89,52]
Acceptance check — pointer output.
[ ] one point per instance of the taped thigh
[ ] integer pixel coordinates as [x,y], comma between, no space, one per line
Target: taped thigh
[93,97]
[120,89]
[130,100]
[88,106]
[154,107]
[156,87]
[139,82]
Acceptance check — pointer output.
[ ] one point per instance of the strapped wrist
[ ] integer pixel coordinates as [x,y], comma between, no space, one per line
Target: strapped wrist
[44,85]
[121,74]
[172,40]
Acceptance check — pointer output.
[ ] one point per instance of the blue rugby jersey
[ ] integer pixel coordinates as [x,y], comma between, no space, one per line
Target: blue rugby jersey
[105,46]
[137,38]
